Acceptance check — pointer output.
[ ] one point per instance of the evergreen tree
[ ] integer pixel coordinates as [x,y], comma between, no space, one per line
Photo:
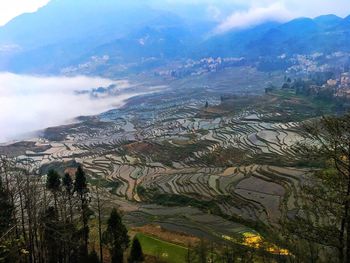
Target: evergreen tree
[80,183]
[136,254]
[80,187]
[67,183]
[116,237]
[53,184]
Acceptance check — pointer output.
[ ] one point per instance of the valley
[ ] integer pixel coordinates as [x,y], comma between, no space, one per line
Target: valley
[174,131]
[188,164]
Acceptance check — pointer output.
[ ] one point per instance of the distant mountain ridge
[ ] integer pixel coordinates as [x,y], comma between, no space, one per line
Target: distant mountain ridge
[66,33]
[327,33]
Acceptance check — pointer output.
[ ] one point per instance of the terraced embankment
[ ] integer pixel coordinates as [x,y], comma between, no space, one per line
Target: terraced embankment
[182,171]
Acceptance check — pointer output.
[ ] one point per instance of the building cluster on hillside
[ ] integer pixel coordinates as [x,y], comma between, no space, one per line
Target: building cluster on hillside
[340,86]
[319,85]
[205,65]
[86,67]
[343,85]
[315,62]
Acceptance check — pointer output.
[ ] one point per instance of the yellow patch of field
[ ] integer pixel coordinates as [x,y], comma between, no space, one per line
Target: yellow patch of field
[254,240]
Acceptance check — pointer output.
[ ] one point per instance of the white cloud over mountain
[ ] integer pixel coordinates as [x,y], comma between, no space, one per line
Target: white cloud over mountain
[230,12]
[254,16]
[12,8]
[255,12]
[235,14]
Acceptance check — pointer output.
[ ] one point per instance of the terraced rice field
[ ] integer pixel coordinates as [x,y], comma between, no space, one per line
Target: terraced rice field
[238,164]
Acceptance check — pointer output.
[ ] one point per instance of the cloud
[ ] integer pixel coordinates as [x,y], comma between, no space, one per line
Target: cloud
[32,103]
[254,16]
[253,12]
[12,8]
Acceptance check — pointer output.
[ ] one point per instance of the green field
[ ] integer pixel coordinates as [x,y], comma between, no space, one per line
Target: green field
[166,251]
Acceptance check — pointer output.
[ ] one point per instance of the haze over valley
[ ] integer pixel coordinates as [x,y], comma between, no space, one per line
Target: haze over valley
[32,103]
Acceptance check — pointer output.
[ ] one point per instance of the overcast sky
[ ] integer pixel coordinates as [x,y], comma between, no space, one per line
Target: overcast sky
[229,13]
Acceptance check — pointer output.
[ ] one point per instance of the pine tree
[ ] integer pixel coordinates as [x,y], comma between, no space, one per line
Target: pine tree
[53,181]
[67,183]
[53,184]
[80,184]
[116,237]
[136,254]
[80,187]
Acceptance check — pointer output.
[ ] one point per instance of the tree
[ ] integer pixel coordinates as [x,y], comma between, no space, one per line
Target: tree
[324,220]
[80,187]
[53,181]
[99,222]
[136,254]
[53,184]
[38,228]
[6,210]
[52,235]
[80,183]
[116,237]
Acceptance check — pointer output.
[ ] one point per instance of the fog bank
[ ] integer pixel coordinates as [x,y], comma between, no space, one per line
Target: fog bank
[31,103]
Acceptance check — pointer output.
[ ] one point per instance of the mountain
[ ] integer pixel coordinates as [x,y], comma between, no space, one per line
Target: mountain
[233,43]
[328,21]
[300,36]
[68,34]
[165,36]
[65,30]
[64,20]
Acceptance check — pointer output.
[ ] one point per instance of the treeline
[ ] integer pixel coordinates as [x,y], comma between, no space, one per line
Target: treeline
[312,86]
[47,218]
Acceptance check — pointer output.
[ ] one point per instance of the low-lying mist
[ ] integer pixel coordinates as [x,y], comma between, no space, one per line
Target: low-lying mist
[31,103]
